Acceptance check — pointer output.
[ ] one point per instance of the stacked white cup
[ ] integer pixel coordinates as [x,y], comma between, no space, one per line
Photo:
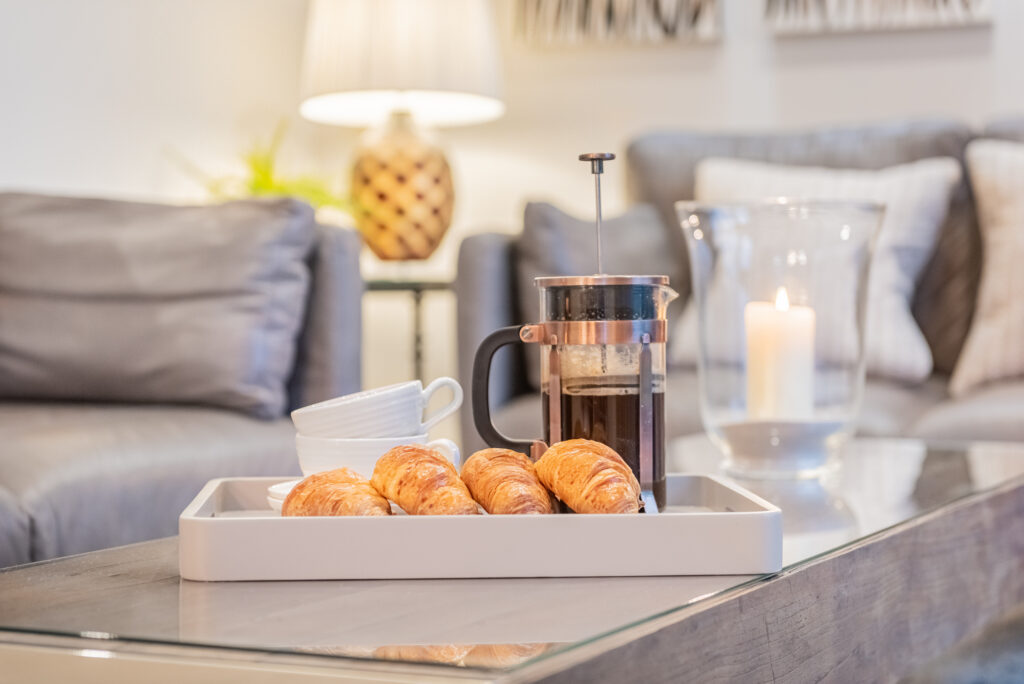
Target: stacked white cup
[354,431]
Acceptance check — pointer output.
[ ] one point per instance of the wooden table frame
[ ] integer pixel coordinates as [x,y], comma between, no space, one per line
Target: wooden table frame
[868,612]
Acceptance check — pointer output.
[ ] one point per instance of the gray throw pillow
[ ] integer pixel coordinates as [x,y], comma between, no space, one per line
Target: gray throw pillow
[557,244]
[124,301]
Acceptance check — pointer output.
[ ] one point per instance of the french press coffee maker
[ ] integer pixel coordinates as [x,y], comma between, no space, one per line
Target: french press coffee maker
[602,346]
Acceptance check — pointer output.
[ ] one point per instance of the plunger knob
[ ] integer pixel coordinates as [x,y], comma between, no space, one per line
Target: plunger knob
[597,160]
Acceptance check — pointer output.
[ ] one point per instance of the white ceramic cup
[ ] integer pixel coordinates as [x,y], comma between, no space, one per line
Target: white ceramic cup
[389,411]
[317,454]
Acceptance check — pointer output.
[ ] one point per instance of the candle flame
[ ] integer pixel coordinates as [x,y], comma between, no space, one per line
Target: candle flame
[782,300]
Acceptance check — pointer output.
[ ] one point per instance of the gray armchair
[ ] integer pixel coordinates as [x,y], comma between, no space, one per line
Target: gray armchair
[78,475]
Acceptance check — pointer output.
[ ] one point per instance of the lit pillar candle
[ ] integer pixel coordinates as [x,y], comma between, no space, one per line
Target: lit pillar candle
[780,359]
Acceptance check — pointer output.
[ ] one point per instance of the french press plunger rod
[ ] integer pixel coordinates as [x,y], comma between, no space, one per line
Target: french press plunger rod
[597,160]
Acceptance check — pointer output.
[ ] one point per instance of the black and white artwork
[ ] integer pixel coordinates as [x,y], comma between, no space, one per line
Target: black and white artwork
[803,17]
[635,21]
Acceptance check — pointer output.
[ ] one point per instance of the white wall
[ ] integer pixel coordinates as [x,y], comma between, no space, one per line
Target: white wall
[97,97]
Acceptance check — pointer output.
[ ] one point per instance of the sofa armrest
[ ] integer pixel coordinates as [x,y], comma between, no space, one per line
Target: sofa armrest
[329,361]
[485,288]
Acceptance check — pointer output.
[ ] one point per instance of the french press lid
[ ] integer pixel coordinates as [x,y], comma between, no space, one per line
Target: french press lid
[602,297]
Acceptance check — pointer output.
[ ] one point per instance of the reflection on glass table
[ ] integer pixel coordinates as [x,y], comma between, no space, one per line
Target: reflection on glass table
[134,592]
[873,484]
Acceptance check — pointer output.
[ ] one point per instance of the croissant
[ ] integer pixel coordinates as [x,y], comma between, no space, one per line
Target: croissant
[335,492]
[422,481]
[448,653]
[505,482]
[589,477]
[502,655]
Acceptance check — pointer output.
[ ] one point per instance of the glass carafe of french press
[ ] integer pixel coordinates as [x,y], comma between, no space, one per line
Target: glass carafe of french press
[602,345]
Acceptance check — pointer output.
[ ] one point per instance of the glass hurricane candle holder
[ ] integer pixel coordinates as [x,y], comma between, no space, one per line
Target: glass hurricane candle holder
[780,290]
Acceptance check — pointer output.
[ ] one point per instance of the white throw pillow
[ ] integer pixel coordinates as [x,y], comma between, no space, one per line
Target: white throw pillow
[993,350]
[916,197]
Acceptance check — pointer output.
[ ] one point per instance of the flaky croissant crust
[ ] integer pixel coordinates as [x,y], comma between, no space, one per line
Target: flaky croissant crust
[423,482]
[502,655]
[335,492]
[505,482]
[447,653]
[590,477]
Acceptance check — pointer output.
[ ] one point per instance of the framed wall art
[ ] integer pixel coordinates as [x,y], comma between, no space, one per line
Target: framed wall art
[559,22]
[809,17]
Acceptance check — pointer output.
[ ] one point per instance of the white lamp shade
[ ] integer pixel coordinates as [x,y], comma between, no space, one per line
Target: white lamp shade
[437,59]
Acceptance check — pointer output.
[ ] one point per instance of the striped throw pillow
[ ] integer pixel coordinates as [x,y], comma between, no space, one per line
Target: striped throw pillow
[994,349]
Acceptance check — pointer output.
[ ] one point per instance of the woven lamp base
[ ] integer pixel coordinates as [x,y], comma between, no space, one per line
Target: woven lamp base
[403,192]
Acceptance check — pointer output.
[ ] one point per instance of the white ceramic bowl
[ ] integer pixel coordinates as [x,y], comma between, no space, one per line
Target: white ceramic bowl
[317,454]
[389,411]
[277,493]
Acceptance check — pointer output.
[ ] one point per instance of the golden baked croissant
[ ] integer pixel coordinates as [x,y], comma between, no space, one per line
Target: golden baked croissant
[422,481]
[449,653]
[505,482]
[589,477]
[502,655]
[335,492]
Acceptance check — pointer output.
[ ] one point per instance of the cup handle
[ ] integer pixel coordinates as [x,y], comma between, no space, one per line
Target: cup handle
[446,410]
[450,448]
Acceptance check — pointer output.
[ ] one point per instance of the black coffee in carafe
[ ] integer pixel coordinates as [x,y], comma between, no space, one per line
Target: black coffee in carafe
[607,411]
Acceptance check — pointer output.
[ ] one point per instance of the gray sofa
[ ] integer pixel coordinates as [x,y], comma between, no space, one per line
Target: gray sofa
[659,170]
[82,475]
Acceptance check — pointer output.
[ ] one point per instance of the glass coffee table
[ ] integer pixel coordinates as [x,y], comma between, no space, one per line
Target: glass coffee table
[897,554]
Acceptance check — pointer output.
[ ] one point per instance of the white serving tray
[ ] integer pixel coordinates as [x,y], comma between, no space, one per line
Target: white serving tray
[710,527]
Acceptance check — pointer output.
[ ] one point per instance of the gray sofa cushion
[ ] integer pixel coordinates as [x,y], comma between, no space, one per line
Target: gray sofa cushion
[89,476]
[1006,129]
[486,300]
[554,243]
[328,360]
[123,301]
[992,413]
[15,531]
[661,171]
[888,409]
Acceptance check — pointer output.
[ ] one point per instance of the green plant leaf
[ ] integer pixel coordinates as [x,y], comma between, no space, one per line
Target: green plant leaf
[261,179]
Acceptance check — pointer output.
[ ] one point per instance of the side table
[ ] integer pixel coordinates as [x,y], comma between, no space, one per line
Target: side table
[417,288]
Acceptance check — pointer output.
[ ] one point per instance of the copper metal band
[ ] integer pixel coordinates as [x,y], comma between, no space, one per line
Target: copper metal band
[595,332]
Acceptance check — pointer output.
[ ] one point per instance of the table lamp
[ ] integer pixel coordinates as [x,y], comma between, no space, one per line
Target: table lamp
[401,67]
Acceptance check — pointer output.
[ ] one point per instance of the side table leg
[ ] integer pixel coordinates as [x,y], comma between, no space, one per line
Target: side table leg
[417,340]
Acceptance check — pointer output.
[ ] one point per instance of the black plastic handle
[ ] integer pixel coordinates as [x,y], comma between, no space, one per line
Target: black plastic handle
[481,397]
